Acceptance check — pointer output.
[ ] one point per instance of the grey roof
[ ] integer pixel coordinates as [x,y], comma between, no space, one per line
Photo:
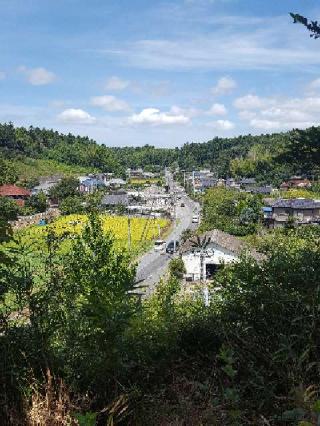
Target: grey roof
[115,200]
[247,181]
[45,187]
[297,203]
[224,240]
[208,182]
[116,181]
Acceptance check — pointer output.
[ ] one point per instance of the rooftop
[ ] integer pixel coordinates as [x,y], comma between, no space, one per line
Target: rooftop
[297,203]
[92,182]
[115,199]
[116,181]
[224,240]
[247,181]
[13,191]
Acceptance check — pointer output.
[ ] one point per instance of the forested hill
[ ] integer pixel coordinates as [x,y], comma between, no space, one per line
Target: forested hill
[266,157]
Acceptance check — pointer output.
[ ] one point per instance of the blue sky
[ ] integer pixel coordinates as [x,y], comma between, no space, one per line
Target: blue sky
[131,72]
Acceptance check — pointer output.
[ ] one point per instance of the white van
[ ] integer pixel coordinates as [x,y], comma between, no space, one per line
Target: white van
[159,245]
[195,218]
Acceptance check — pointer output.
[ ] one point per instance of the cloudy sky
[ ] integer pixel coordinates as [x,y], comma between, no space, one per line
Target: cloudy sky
[131,72]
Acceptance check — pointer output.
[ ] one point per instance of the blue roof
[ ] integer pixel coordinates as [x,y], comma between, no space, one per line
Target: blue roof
[267,209]
[93,182]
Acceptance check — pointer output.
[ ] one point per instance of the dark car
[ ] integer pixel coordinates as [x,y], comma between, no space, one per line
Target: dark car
[172,247]
[182,205]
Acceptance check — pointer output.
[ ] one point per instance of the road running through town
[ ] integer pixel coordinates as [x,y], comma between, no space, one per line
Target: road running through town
[153,265]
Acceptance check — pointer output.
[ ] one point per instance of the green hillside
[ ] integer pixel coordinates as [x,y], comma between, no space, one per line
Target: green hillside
[268,158]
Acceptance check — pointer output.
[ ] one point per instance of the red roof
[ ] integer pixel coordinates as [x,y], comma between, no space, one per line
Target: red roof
[13,191]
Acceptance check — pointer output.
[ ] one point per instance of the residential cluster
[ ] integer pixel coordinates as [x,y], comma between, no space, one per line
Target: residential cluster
[138,193]
[278,210]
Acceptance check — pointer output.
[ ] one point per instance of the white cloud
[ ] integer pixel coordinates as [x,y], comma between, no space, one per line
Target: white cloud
[115,83]
[225,86]
[217,109]
[279,113]
[221,125]
[249,102]
[76,116]
[155,117]
[265,124]
[38,76]
[188,112]
[109,103]
[240,44]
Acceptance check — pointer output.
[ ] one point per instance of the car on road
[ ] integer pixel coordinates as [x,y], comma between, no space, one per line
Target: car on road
[172,247]
[159,245]
[195,218]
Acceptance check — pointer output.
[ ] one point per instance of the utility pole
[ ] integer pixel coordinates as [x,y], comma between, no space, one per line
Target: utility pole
[193,183]
[129,233]
[203,254]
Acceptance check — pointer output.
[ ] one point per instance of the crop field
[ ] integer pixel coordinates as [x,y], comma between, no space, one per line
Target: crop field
[138,181]
[143,231]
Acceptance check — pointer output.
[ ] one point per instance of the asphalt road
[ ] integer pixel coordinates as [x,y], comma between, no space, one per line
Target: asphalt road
[153,265]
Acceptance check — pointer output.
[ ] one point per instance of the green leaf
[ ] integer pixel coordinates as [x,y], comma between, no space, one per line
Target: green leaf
[316,407]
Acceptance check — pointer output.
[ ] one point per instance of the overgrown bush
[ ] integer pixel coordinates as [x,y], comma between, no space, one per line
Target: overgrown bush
[250,358]
[237,213]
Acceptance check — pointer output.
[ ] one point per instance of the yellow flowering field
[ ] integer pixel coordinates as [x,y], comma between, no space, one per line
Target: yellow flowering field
[117,225]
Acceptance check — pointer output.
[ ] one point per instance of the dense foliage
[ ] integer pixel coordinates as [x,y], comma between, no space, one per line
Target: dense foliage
[251,357]
[269,158]
[67,187]
[235,212]
[8,211]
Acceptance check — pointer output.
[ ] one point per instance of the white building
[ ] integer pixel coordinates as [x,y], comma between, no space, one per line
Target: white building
[221,248]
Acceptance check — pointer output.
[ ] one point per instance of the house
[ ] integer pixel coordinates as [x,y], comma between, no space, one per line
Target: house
[208,182]
[43,187]
[222,249]
[91,185]
[295,182]
[135,174]
[16,193]
[247,183]
[115,183]
[261,190]
[83,178]
[104,177]
[232,184]
[116,199]
[301,210]
[202,180]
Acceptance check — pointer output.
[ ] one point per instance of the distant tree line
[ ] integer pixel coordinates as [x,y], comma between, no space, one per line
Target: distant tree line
[267,157]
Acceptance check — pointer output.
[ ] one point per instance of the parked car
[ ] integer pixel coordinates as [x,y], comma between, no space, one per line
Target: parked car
[182,205]
[172,247]
[159,245]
